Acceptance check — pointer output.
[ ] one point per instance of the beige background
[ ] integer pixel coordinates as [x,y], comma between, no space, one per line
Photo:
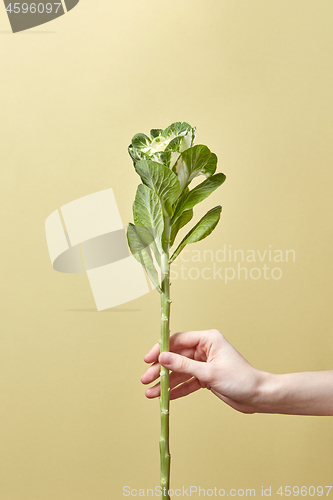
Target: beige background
[255,78]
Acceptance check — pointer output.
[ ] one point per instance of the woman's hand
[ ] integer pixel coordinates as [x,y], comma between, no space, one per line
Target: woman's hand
[205,359]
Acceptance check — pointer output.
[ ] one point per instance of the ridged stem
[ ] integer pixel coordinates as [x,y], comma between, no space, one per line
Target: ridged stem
[164,373]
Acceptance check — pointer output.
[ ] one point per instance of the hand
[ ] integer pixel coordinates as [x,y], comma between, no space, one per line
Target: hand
[205,359]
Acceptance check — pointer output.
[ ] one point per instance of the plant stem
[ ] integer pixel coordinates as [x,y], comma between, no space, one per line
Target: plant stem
[164,373]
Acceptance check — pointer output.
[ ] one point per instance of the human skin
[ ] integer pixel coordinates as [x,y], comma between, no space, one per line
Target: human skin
[205,359]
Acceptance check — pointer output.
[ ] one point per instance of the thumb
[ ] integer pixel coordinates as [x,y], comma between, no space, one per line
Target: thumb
[182,364]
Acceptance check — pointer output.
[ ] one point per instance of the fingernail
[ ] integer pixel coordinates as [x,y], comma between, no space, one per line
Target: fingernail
[166,358]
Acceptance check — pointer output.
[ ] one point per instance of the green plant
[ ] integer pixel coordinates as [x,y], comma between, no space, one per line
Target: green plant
[167,162]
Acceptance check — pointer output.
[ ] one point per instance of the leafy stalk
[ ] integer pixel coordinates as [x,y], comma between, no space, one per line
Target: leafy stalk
[167,162]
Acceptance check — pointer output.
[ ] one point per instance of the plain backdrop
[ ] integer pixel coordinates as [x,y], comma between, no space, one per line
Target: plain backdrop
[255,78]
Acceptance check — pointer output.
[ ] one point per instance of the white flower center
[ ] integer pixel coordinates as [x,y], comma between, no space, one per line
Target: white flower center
[158,144]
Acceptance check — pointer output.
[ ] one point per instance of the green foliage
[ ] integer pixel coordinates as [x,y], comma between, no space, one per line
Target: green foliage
[139,239]
[210,167]
[199,193]
[163,146]
[202,229]
[185,217]
[140,141]
[147,211]
[167,162]
[190,163]
[161,180]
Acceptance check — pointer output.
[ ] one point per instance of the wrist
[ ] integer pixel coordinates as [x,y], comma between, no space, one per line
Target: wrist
[300,393]
[267,392]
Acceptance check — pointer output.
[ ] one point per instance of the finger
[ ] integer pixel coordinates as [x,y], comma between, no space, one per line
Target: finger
[152,355]
[174,380]
[153,392]
[151,374]
[180,340]
[183,351]
[182,364]
[178,378]
[153,371]
[187,339]
[185,389]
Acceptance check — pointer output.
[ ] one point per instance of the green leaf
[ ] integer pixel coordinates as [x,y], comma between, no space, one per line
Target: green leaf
[158,156]
[156,250]
[147,209]
[195,159]
[155,132]
[174,144]
[161,180]
[162,157]
[149,237]
[136,154]
[191,162]
[199,193]
[137,238]
[202,229]
[183,134]
[188,140]
[177,128]
[179,223]
[210,167]
[141,141]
